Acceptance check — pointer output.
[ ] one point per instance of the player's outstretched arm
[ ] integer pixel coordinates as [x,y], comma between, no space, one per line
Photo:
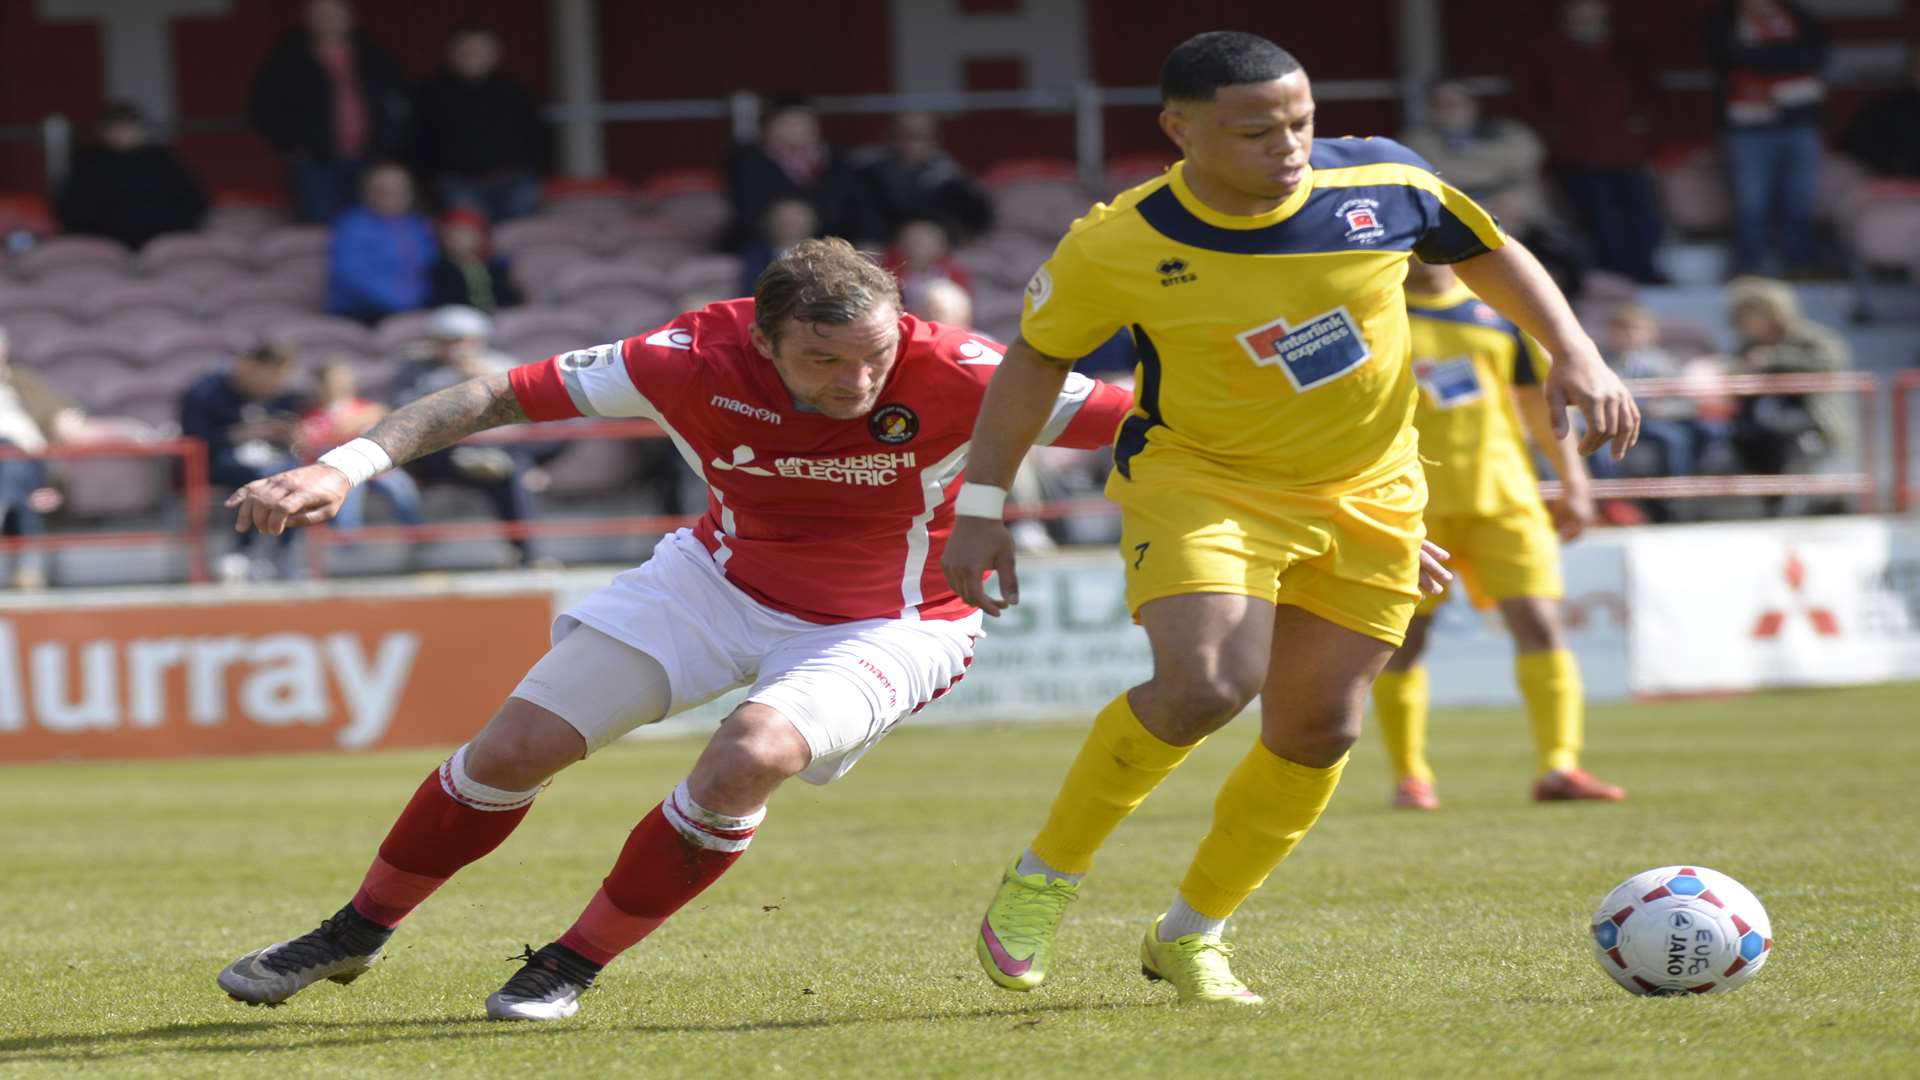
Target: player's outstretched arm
[1517,286]
[312,494]
[1016,407]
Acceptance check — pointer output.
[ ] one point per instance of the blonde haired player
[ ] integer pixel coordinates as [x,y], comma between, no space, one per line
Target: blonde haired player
[1480,386]
[1267,475]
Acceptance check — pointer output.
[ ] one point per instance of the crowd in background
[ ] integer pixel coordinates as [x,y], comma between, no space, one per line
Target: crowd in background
[412,178]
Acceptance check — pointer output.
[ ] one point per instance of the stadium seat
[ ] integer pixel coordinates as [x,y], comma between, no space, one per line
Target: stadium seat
[283,243]
[242,221]
[100,489]
[510,238]
[193,257]
[400,333]
[320,334]
[292,291]
[535,269]
[1883,236]
[127,300]
[80,341]
[62,256]
[704,273]
[593,467]
[625,312]
[519,322]
[162,345]
[26,327]
[590,199]
[96,379]
[692,201]
[18,300]
[583,278]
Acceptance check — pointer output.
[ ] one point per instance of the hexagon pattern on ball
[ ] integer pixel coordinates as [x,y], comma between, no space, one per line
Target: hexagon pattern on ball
[1680,930]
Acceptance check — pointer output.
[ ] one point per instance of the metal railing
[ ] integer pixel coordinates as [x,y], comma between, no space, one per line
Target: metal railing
[195,497]
[1902,392]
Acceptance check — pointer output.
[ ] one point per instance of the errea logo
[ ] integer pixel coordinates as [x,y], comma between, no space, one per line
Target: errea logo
[1174,271]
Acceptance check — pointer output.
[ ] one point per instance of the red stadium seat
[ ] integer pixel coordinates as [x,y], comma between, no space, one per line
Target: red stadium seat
[288,242]
[99,489]
[195,257]
[320,334]
[57,255]
[83,341]
[704,274]
[518,322]
[542,230]
[126,300]
[535,269]
[582,278]
[401,333]
[167,343]
[692,202]
[16,301]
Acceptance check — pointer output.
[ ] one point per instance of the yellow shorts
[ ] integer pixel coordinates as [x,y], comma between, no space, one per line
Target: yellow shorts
[1499,557]
[1352,559]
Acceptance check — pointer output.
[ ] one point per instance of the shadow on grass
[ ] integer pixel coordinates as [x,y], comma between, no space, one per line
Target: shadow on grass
[257,1036]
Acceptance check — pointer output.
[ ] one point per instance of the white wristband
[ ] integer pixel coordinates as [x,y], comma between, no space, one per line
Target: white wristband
[361,460]
[980,500]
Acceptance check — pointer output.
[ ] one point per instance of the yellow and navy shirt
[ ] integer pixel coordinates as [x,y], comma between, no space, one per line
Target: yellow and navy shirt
[1466,358]
[1271,348]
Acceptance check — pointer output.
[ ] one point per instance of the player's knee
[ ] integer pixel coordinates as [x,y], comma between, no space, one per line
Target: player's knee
[1534,624]
[1314,734]
[1200,703]
[522,747]
[757,744]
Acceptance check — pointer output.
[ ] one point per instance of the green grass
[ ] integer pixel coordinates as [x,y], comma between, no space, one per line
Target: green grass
[1390,945]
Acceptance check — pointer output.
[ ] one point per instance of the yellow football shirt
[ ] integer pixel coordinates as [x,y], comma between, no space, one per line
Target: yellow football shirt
[1466,358]
[1271,348]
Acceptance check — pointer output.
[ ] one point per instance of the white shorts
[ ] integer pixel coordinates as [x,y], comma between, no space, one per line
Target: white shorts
[843,686]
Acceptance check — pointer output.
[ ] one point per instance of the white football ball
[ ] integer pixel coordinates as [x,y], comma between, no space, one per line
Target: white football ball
[1681,930]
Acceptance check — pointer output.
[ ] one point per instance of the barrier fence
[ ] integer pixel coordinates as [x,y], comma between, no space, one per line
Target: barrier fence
[196,493]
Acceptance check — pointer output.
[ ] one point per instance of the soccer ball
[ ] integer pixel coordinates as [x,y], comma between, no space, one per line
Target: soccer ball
[1681,930]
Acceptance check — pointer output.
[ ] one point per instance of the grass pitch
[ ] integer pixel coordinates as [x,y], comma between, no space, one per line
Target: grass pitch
[1391,944]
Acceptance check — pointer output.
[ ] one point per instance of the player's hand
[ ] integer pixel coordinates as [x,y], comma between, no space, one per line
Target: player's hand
[976,546]
[1585,382]
[1434,575]
[1572,512]
[308,495]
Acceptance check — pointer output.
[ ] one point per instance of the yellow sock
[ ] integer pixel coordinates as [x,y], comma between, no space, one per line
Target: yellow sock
[1400,708]
[1117,768]
[1267,804]
[1550,682]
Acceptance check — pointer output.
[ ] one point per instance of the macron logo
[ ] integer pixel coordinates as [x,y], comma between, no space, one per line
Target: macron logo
[751,412]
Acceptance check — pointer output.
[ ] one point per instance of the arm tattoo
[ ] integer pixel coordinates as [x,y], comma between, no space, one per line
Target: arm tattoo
[439,420]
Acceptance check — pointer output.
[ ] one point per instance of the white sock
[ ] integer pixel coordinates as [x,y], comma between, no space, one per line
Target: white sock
[1182,920]
[1034,864]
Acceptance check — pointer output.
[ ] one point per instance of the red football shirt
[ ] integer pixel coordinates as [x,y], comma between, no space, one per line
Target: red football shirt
[830,520]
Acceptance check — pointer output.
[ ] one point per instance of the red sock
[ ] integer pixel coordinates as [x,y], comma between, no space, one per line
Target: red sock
[670,857]
[451,821]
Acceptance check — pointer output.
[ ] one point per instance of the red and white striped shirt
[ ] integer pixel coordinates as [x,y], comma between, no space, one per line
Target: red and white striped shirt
[830,520]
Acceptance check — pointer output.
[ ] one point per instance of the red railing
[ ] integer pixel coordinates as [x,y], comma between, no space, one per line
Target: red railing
[194,495]
[1865,485]
[1905,385]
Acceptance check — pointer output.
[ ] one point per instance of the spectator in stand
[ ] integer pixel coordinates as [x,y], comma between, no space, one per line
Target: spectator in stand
[791,161]
[1885,134]
[504,473]
[339,415]
[477,134]
[127,187]
[379,259]
[913,178]
[1590,95]
[1787,433]
[33,416]
[1497,161]
[329,101]
[939,300]
[922,252]
[788,221]
[249,417]
[467,273]
[1767,56]
[1673,425]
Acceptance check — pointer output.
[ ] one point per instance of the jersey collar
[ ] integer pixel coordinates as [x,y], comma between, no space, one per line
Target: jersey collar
[1177,180]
